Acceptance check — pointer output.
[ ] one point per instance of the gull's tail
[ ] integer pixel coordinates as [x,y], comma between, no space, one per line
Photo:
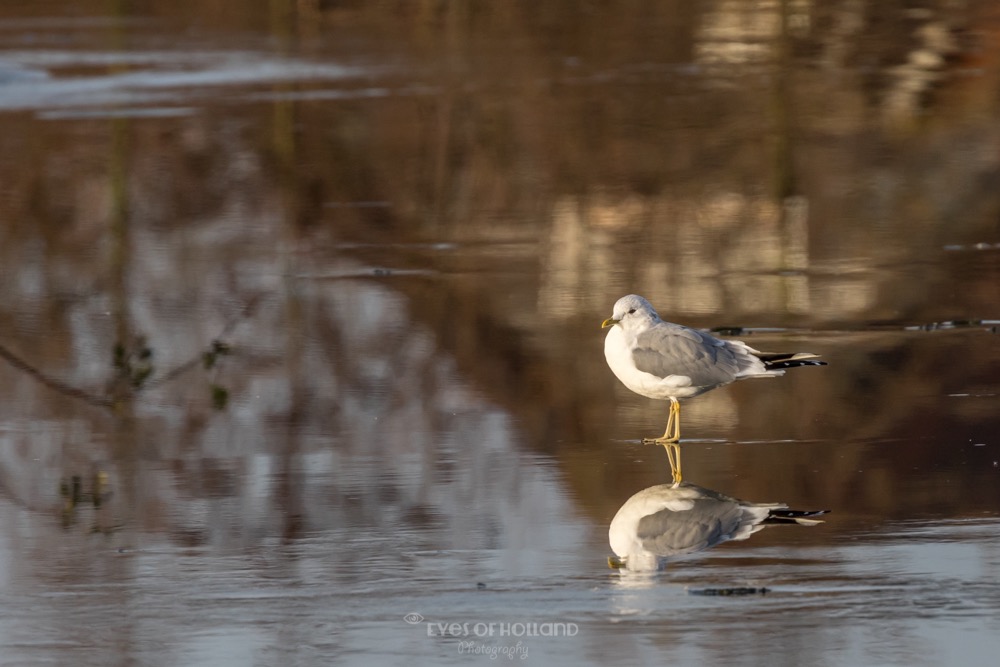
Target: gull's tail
[778,360]
[801,517]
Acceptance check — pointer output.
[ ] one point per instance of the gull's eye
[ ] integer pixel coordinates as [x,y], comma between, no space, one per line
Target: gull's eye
[631,311]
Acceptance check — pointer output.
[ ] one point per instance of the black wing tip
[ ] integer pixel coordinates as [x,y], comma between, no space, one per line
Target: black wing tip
[792,363]
[795,514]
[801,517]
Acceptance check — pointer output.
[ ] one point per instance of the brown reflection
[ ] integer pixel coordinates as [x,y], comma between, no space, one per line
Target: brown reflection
[299,213]
[495,192]
[355,318]
[670,520]
[132,359]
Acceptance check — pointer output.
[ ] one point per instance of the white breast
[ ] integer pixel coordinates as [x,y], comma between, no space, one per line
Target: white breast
[618,352]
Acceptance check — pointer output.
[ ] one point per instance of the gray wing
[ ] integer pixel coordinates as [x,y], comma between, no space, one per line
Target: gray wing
[672,533]
[671,349]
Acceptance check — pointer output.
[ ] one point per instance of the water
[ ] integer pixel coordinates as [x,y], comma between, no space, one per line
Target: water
[302,348]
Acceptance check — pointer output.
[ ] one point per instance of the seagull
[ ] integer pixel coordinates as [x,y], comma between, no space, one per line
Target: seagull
[669,361]
[676,519]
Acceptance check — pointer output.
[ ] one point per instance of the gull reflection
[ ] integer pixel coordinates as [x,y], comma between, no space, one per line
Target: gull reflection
[670,520]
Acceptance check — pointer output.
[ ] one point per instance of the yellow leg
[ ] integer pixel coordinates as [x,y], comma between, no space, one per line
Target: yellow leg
[670,456]
[670,438]
[674,456]
[675,461]
[673,430]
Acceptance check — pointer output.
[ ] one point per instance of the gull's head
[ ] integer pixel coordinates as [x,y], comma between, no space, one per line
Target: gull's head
[631,309]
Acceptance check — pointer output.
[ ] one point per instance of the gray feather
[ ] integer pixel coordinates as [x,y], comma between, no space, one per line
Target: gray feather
[709,522]
[671,349]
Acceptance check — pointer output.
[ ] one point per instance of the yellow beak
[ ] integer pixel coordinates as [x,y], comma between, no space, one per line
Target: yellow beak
[610,322]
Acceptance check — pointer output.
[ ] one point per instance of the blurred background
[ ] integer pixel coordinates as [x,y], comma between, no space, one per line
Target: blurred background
[301,308]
